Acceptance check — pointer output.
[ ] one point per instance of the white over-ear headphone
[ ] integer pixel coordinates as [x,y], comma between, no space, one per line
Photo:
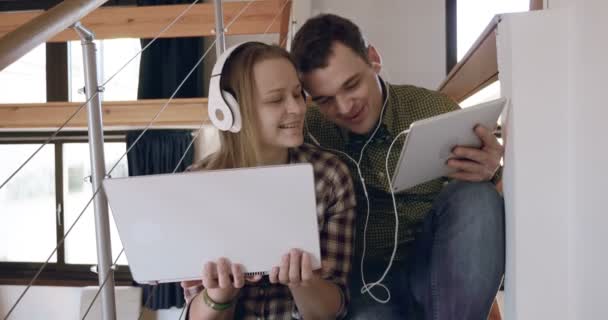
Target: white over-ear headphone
[223,108]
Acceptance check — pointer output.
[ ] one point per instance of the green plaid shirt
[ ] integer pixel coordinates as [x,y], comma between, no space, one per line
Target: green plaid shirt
[405,105]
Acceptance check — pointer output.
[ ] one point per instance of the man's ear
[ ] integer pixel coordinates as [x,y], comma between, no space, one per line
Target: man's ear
[374,58]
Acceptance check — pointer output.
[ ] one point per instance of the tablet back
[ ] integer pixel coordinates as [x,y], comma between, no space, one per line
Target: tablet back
[429,143]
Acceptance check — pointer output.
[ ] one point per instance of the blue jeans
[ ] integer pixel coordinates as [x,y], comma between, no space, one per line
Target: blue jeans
[456,263]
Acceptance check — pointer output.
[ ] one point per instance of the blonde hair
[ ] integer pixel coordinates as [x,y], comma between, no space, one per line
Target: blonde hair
[242,149]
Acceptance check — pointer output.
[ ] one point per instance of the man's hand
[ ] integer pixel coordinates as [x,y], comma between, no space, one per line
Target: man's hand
[477,165]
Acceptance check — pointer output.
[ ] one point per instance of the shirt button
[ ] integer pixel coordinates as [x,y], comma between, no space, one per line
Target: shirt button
[261,292]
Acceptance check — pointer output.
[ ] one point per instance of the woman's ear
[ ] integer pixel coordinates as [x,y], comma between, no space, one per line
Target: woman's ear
[374,58]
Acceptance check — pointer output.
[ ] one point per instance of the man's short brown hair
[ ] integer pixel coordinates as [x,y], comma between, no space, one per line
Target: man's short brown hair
[313,43]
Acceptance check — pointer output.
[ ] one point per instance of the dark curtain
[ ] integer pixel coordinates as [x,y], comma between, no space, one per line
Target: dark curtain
[162,67]
[159,151]
[167,62]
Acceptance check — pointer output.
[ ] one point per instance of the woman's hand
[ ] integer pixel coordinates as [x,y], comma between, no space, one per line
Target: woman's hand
[222,279]
[295,269]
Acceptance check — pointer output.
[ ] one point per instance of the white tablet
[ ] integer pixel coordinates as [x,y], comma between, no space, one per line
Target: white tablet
[171,224]
[429,144]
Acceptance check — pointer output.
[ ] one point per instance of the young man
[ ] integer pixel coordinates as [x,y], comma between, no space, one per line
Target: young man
[450,257]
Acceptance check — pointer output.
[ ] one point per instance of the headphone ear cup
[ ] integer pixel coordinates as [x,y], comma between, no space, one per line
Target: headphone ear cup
[219,112]
[235,111]
[221,116]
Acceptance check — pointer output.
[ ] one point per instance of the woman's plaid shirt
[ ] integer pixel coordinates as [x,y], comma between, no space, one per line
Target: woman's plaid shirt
[336,214]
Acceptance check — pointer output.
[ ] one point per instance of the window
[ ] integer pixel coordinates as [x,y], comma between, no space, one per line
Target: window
[39,204]
[473,16]
[112,55]
[24,81]
[77,191]
[472,19]
[42,201]
[28,197]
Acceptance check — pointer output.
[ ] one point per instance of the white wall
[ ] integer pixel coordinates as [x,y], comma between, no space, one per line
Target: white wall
[552,66]
[589,114]
[536,163]
[410,35]
[64,303]
[41,302]
[556,4]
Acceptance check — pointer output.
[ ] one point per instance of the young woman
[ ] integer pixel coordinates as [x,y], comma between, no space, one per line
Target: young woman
[264,81]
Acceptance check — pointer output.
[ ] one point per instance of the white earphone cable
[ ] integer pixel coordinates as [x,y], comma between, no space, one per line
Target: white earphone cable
[366,288]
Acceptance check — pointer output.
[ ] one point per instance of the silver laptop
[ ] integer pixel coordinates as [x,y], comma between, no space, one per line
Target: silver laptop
[170,225]
[428,146]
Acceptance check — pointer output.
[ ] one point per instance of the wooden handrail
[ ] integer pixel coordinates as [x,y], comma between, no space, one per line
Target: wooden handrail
[477,69]
[536,5]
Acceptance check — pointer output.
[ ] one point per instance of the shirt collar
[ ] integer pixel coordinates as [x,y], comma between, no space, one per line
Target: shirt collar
[389,117]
